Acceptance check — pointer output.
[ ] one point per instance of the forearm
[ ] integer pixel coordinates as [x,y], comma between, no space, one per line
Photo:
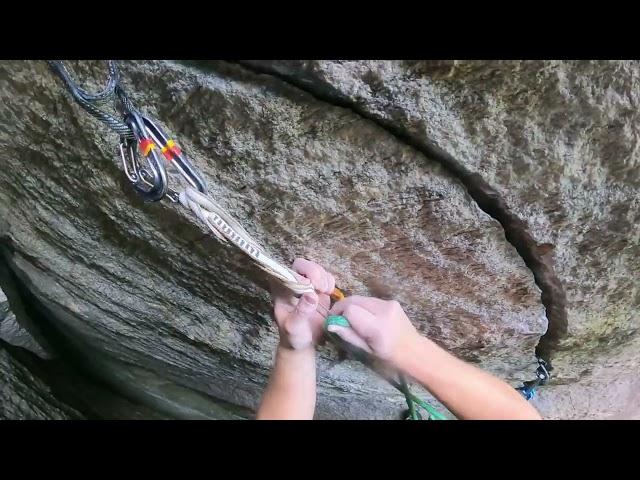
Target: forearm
[291,392]
[467,391]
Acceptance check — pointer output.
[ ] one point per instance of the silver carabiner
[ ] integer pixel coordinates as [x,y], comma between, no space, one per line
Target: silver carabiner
[129,162]
[151,181]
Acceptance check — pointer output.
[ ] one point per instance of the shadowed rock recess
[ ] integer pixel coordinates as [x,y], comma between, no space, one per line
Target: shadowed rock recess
[497,201]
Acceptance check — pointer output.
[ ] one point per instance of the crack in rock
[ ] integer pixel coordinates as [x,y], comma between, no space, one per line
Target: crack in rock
[516,231]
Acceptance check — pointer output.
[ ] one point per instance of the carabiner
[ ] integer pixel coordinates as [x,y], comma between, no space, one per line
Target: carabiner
[151,183]
[174,155]
[528,389]
[542,373]
[129,163]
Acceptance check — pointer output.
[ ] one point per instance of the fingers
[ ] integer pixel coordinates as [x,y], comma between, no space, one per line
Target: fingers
[309,273]
[317,326]
[332,283]
[349,336]
[368,303]
[362,321]
[281,294]
[297,325]
[305,308]
[321,280]
[281,310]
[286,304]
[324,304]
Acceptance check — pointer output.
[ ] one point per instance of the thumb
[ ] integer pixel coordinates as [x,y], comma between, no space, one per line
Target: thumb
[305,309]
[297,326]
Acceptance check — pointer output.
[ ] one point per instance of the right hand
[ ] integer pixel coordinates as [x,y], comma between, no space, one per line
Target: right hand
[378,326]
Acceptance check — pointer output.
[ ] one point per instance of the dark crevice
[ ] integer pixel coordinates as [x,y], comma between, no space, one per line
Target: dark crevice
[71,374]
[66,373]
[54,376]
[486,196]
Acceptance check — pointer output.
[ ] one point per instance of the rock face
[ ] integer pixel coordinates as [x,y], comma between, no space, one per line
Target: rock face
[24,396]
[37,384]
[495,201]
[14,333]
[23,393]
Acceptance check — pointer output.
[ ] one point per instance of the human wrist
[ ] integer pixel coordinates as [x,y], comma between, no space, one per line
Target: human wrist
[293,364]
[285,350]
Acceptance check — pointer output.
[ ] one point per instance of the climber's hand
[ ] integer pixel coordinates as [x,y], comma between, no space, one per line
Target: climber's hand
[381,327]
[300,320]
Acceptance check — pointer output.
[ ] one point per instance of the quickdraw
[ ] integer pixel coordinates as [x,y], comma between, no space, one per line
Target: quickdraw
[151,183]
[528,389]
[138,135]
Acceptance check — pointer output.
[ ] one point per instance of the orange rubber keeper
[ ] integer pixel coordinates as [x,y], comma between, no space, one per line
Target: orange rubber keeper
[170,149]
[146,146]
[337,295]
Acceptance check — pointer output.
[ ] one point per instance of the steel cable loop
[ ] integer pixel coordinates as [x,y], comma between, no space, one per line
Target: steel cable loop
[88,101]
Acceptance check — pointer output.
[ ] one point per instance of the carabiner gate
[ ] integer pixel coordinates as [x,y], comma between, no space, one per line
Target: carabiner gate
[150,182]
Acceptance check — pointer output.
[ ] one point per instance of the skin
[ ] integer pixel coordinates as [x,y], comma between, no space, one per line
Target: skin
[291,391]
[382,328]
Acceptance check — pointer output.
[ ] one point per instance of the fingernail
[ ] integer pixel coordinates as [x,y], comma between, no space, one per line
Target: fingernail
[307,303]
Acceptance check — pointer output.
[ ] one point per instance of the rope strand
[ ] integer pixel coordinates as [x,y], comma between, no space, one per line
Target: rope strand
[228,230]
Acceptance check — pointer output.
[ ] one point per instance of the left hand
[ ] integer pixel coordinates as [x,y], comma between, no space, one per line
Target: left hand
[300,320]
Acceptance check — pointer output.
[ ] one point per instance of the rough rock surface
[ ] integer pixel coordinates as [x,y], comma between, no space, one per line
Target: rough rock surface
[36,384]
[34,389]
[14,333]
[23,395]
[342,170]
